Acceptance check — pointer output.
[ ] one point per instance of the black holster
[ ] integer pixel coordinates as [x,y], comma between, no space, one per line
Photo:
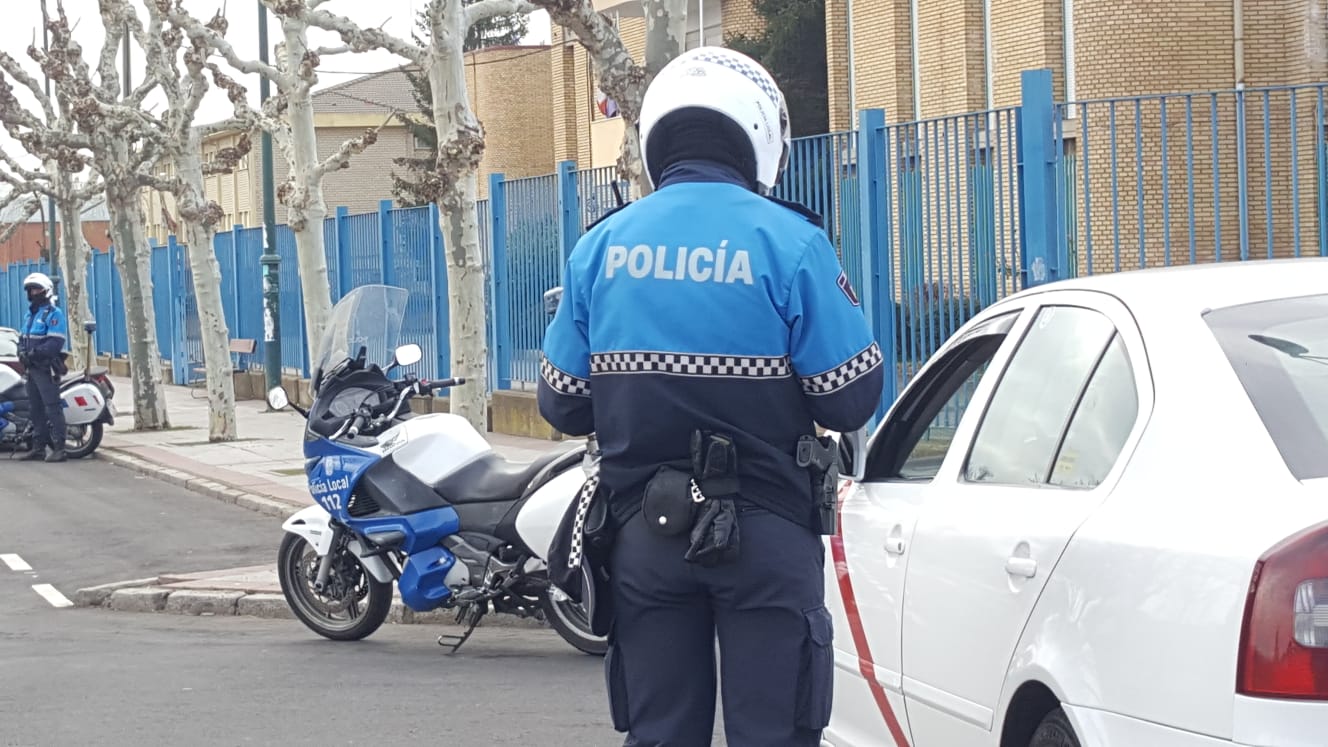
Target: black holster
[820,458]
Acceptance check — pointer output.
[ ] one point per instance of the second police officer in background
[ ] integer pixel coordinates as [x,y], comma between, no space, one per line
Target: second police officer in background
[702,331]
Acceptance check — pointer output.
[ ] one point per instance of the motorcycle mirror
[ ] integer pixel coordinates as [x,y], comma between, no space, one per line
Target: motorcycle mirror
[407,355]
[277,399]
[552,298]
[89,326]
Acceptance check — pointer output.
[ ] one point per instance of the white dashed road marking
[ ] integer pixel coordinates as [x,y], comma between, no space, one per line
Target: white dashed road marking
[50,594]
[47,592]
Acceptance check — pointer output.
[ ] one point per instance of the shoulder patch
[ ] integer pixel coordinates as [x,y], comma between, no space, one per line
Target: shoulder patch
[847,287]
[606,215]
[812,216]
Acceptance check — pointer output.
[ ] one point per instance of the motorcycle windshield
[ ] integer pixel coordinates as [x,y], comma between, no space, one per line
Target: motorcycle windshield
[367,320]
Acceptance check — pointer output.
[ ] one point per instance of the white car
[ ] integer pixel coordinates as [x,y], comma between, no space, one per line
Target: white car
[1097,516]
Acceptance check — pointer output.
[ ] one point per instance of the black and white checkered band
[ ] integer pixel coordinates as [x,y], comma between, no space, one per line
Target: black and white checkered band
[845,374]
[730,366]
[744,68]
[562,382]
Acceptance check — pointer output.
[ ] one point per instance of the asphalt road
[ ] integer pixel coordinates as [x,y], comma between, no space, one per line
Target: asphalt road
[96,677]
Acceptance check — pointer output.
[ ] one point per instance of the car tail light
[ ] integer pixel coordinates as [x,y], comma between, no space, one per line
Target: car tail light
[1284,637]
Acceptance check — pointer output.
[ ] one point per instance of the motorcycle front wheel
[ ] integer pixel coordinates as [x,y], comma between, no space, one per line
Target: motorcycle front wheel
[351,606]
[569,618]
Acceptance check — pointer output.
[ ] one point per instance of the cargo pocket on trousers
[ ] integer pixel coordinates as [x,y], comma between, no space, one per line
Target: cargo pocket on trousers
[816,675]
[616,684]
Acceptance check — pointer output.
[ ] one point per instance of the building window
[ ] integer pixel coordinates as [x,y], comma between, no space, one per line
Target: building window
[421,143]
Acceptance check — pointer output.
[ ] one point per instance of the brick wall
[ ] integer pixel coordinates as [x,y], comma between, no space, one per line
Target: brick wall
[28,240]
[881,50]
[511,91]
[1025,35]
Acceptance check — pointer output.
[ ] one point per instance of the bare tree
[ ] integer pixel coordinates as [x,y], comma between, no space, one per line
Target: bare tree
[109,123]
[73,251]
[182,145]
[460,140]
[289,117]
[620,77]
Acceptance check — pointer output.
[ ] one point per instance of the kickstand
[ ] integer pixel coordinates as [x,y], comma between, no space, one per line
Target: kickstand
[469,615]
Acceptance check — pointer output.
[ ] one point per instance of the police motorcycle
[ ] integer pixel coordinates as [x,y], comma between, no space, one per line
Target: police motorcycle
[419,501]
[85,396]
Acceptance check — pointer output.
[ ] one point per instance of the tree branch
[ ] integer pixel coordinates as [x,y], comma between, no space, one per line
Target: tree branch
[214,35]
[485,9]
[352,147]
[358,39]
[8,230]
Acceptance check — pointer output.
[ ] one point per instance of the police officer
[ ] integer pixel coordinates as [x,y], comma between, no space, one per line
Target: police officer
[41,345]
[711,315]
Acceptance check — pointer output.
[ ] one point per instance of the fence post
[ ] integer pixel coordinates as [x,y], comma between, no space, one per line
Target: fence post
[175,296]
[442,313]
[876,242]
[569,208]
[502,323]
[343,251]
[386,234]
[236,230]
[1041,257]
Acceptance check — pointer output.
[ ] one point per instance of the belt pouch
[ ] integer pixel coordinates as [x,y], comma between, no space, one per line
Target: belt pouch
[667,504]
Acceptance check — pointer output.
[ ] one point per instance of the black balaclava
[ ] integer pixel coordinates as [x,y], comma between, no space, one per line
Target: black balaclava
[696,134]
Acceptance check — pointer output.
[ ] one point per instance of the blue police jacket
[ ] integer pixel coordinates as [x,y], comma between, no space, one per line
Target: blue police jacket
[707,306]
[44,331]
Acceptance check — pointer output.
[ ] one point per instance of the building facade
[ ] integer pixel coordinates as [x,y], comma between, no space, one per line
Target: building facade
[1166,143]
[29,240]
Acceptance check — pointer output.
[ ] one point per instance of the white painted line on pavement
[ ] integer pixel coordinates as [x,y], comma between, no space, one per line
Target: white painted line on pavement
[15,563]
[50,594]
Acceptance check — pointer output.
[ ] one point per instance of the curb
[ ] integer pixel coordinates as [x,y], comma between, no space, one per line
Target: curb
[147,596]
[212,489]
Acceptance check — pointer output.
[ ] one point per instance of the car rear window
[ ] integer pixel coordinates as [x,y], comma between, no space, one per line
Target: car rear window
[1279,351]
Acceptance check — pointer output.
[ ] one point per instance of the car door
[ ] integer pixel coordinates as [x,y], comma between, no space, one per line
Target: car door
[1018,482]
[876,527]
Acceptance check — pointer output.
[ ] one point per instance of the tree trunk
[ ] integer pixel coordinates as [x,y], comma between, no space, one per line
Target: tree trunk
[305,208]
[74,267]
[133,258]
[460,148]
[200,217]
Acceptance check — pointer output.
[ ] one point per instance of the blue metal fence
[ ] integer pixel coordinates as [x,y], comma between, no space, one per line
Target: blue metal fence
[933,221]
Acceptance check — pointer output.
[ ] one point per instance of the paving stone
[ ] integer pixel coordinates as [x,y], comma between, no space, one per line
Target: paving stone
[143,599]
[202,602]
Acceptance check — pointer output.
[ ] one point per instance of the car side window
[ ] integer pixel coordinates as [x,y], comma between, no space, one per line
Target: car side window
[1020,433]
[914,441]
[924,459]
[1101,424]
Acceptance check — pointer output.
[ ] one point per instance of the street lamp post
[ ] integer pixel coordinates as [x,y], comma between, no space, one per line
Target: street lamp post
[270,261]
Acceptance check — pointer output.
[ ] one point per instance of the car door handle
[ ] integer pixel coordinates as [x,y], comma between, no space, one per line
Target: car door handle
[1026,567]
[895,545]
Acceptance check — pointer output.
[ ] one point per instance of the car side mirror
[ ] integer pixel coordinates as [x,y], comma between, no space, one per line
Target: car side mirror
[89,326]
[553,297]
[853,454]
[276,398]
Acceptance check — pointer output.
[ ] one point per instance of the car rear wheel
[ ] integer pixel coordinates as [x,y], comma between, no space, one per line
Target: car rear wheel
[1054,731]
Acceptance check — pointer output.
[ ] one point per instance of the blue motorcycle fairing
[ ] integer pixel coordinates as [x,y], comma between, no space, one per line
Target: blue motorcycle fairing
[423,582]
[333,470]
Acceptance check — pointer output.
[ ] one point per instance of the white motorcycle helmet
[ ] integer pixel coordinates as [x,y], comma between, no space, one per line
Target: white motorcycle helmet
[735,86]
[41,280]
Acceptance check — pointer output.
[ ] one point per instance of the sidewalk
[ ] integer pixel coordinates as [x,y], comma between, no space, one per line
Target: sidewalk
[263,471]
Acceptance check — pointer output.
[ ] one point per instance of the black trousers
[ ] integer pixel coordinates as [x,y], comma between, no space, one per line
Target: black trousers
[767,608]
[48,415]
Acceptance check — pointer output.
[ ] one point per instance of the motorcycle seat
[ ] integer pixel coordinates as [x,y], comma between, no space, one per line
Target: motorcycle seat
[491,478]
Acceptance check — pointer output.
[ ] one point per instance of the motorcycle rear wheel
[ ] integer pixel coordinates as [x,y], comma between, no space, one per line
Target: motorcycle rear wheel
[366,599]
[570,620]
[91,439]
